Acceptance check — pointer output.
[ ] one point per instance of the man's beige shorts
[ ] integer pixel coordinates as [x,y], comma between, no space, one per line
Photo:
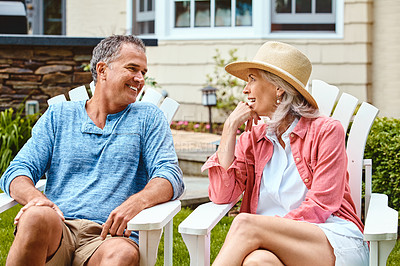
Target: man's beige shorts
[80,240]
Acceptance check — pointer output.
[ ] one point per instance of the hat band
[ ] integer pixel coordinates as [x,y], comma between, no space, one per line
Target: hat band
[282,71]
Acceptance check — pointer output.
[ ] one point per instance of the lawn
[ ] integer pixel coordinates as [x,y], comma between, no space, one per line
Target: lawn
[181,255]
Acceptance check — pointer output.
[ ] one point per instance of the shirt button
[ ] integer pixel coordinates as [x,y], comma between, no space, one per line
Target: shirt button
[291,135]
[306,180]
[297,159]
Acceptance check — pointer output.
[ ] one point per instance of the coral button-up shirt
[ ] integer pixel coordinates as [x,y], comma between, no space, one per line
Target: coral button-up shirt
[319,152]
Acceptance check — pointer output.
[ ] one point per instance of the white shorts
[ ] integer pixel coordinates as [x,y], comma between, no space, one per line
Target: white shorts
[347,242]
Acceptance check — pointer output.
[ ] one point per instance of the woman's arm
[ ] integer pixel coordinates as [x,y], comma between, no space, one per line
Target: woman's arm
[226,150]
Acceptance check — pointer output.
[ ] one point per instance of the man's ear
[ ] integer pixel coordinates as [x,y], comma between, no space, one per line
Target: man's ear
[101,69]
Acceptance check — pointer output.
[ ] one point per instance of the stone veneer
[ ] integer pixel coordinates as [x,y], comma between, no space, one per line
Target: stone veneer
[40,67]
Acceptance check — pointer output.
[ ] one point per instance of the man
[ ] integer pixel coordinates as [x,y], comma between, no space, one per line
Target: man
[106,159]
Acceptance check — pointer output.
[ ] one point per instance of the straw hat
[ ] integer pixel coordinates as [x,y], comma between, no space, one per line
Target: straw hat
[281,59]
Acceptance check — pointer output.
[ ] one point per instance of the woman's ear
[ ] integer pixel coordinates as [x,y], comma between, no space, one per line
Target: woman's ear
[279,92]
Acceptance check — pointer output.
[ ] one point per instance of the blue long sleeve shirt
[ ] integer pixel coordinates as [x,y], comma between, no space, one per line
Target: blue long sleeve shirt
[90,171]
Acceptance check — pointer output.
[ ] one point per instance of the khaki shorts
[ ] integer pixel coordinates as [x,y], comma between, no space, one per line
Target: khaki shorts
[79,241]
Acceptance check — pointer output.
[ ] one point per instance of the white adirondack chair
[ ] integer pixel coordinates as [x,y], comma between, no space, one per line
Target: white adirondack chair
[149,222]
[381,221]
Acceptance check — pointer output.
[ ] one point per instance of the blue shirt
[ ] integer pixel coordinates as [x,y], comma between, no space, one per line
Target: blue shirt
[90,171]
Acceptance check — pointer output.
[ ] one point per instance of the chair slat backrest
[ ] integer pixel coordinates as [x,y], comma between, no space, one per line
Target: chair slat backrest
[78,94]
[325,95]
[152,96]
[92,87]
[57,99]
[358,135]
[169,107]
[345,109]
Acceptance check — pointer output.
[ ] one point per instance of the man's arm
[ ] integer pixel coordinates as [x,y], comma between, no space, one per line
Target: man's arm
[158,190]
[24,192]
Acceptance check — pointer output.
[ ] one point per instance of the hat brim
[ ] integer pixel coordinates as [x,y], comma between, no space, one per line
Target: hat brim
[239,69]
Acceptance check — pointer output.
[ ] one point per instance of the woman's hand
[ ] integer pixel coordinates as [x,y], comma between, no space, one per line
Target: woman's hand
[243,113]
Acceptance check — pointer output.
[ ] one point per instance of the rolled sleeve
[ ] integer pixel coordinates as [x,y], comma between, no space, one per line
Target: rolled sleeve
[160,156]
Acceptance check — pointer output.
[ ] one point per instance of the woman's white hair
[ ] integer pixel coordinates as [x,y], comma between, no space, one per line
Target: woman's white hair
[291,103]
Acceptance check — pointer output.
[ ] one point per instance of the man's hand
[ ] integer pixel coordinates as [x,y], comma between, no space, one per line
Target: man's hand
[158,190]
[39,202]
[118,220]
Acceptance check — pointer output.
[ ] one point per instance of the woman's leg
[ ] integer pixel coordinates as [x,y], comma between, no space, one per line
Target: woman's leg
[261,257]
[292,242]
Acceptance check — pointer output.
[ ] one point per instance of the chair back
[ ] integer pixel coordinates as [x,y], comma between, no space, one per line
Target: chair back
[356,141]
[152,96]
[325,95]
[78,94]
[57,99]
[345,109]
[169,106]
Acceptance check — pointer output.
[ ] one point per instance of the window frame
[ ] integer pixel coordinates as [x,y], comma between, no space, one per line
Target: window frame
[261,25]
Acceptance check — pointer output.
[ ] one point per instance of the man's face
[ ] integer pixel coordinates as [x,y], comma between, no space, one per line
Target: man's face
[125,75]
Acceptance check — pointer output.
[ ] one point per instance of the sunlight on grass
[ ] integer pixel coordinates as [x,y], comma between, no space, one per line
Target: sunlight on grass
[181,254]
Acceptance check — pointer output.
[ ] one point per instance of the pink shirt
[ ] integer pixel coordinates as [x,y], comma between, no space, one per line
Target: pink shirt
[318,148]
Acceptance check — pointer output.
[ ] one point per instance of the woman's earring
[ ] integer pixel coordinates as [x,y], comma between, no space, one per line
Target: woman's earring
[277,101]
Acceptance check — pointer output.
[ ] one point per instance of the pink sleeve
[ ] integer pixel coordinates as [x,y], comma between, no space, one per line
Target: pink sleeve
[225,185]
[329,174]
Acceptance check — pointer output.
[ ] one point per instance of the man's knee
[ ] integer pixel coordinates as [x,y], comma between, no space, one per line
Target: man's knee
[119,251]
[39,221]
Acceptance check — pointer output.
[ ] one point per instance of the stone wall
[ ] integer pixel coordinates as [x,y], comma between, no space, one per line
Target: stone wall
[40,67]
[40,72]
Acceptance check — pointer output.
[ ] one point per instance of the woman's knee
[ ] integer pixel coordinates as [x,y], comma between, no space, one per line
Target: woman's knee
[244,223]
[261,257]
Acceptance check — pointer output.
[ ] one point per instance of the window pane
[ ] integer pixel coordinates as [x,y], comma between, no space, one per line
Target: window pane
[283,6]
[52,17]
[303,6]
[149,5]
[202,13]
[141,6]
[222,13]
[324,6]
[182,14]
[244,12]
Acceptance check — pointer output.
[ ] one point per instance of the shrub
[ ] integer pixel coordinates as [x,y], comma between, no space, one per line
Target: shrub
[229,92]
[383,147]
[15,130]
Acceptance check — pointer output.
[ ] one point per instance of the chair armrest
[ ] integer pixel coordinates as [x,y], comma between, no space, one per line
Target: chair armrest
[203,219]
[7,202]
[381,221]
[155,217]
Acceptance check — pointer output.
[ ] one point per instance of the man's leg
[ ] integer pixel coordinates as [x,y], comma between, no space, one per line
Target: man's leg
[115,251]
[292,242]
[38,237]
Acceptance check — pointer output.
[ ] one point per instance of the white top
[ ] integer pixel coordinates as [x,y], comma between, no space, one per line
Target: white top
[281,189]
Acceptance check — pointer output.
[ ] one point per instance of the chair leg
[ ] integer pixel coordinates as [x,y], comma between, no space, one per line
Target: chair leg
[148,246]
[199,249]
[380,251]
[168,243]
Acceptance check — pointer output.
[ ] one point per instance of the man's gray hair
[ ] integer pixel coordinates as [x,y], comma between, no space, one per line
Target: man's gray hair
[109,48]
[292,103]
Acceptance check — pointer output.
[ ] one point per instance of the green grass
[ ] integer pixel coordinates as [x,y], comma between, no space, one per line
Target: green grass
[181,254]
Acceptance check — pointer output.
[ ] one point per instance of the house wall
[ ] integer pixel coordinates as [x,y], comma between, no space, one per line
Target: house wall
[386,58]
[98,18]
[181,66]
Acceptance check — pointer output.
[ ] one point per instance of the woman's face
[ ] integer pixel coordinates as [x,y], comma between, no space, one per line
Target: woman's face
[261,94]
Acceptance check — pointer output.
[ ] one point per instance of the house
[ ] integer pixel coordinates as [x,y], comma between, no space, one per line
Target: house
[352,44]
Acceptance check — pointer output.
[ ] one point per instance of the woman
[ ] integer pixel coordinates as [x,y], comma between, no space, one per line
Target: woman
[297,208]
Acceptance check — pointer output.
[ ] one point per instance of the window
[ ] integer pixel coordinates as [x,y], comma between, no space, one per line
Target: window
[46,16]
[212,13]
[303,15]
[145,17]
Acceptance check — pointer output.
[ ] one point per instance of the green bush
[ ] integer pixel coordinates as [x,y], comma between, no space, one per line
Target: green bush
[383,147]
[15,130]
